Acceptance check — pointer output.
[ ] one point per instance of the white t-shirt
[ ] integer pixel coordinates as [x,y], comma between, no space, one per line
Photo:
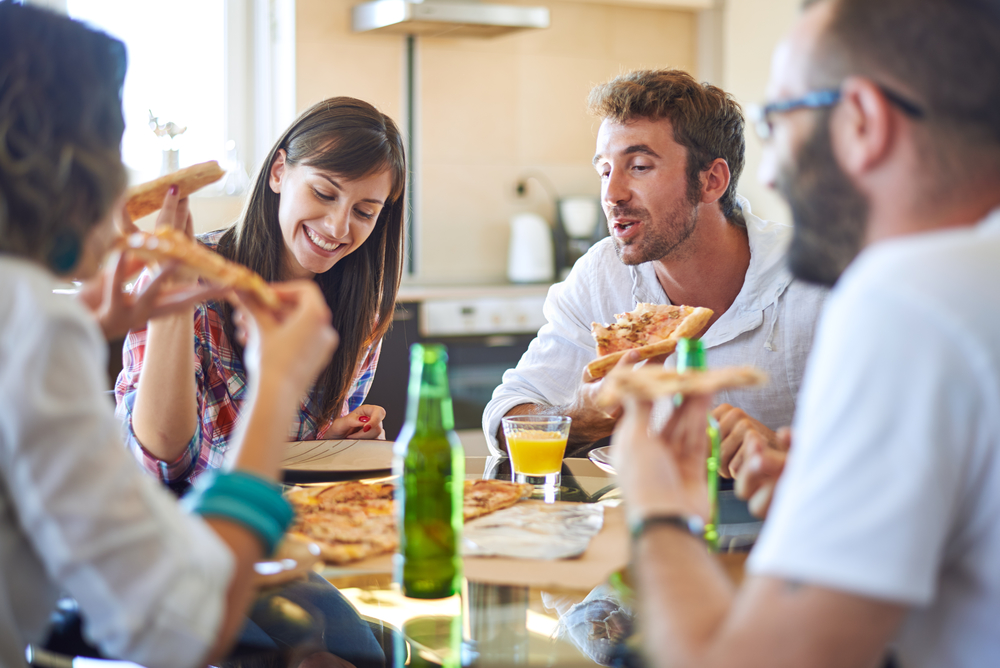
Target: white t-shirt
[76,513]
[892,488]
[770,325]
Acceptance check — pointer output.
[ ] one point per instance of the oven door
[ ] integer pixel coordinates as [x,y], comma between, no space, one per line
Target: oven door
[477,360]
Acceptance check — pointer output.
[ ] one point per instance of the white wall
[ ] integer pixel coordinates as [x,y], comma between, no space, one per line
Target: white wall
[750,30]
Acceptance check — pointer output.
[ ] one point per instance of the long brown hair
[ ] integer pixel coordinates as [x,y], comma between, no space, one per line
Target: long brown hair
[351,139]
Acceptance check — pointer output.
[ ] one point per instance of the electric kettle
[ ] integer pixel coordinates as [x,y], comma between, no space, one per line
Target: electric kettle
[530,256]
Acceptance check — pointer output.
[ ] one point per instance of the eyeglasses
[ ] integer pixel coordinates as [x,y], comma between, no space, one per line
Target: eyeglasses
[760,116]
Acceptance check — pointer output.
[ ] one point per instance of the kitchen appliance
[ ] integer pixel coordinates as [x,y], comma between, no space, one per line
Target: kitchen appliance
[580,224]
[530,256]
[485,336]
[450,18]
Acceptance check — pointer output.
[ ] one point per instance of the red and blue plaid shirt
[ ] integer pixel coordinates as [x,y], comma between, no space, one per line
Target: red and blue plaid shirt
[221,389]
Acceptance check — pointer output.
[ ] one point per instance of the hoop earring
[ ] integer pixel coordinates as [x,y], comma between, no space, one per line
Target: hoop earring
[65,252]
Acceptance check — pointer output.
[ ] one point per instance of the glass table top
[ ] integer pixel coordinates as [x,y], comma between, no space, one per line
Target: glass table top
[489,624]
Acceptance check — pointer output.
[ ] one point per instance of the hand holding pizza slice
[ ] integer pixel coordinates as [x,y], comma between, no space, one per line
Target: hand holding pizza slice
[651,330]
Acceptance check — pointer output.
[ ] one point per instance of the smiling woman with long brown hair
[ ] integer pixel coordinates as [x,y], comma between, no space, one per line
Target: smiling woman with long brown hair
[327,205]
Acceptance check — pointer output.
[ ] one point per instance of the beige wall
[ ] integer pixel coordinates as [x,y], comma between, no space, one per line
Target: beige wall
[491,112]
[750,31]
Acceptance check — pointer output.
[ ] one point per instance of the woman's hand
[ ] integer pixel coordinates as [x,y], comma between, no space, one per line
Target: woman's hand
[365,421]
[117,311]
[290,346]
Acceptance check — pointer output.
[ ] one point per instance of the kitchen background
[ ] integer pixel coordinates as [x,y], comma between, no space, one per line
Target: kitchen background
[490,114]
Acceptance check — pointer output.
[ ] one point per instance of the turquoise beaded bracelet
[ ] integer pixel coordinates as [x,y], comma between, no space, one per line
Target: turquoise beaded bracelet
[246,499]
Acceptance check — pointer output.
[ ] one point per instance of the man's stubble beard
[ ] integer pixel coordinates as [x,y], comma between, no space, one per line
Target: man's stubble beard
[669,235]
[829,212]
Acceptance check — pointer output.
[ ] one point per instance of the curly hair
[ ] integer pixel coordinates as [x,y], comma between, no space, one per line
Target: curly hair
[705,119]
[60,131]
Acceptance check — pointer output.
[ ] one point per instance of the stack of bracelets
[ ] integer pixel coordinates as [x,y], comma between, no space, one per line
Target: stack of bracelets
[244,498]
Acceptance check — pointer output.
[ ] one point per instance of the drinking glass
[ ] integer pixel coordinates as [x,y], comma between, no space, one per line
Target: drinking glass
[536,444]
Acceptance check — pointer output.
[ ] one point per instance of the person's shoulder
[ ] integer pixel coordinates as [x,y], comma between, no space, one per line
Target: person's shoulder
[32,298]
[211,239]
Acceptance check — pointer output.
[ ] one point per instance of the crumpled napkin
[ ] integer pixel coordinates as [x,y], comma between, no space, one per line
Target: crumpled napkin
[534,531]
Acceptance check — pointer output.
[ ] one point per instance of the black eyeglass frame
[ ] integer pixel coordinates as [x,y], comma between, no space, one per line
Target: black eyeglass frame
[760,116]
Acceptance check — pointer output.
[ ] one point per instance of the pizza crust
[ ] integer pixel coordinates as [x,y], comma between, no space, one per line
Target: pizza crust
[144,199]
[689,326]
[167,244]
[351,521]
[651,383]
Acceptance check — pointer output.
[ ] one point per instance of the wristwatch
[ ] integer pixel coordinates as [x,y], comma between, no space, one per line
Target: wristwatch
[691,524]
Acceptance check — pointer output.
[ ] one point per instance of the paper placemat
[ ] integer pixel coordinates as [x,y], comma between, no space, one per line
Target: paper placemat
[607,553]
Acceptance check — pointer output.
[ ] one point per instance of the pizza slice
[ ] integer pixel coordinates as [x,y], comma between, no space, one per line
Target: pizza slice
[167,244]
[483,497]
[653,382]
[650,330]
[144,199]
[354,520]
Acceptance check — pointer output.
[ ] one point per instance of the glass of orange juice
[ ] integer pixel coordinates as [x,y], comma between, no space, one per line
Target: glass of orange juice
[536,444]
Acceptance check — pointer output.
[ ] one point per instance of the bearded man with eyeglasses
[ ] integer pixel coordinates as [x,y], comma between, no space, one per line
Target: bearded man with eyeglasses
[882,539]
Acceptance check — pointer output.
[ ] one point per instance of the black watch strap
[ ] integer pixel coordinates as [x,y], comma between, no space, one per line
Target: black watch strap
[691,524]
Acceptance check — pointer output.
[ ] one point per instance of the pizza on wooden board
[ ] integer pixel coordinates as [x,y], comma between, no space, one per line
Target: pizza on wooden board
[653,382]
[650,329]
[351,521]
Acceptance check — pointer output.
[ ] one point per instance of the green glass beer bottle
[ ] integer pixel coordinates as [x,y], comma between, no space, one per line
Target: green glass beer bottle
[691,355]
[430,465]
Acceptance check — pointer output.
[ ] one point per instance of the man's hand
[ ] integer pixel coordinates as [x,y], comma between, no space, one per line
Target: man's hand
[734,427]
[118,311]
[760,470]
[591,422]
[663,473]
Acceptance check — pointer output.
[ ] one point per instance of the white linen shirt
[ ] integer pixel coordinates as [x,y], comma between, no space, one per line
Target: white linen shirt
[76,513]
[770,325]
[892,487]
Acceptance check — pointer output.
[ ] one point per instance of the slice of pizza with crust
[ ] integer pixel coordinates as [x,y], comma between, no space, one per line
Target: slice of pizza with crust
[483,497]
[649,329]
[167,244]
[144,199]
[654,382]
[354,520]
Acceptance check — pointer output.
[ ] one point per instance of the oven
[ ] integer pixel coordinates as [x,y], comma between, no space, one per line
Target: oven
[485,336]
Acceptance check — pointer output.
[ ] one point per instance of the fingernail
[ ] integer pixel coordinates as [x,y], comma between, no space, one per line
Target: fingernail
[755,463]
[364,418]
[367,427]
[173,189]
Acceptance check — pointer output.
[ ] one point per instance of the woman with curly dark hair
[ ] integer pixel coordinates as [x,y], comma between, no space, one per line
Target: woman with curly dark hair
[157,585]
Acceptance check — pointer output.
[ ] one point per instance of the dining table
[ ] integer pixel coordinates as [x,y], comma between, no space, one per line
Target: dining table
[571,612]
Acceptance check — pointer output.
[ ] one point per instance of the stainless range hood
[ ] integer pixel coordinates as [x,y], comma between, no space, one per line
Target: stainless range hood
[451,18]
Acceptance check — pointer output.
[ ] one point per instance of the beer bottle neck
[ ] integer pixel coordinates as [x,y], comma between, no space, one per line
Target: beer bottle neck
[428,406]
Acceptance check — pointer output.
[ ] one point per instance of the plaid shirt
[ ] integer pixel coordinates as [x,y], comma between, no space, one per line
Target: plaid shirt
[221,382]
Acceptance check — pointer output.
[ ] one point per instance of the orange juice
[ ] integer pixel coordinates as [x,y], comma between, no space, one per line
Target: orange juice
[536,452]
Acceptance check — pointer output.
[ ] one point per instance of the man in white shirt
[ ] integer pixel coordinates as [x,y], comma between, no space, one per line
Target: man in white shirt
[884,136]
[681,236]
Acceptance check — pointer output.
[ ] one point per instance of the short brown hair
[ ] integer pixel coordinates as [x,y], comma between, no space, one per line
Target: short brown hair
[943,54]
[60,131]
[706,121]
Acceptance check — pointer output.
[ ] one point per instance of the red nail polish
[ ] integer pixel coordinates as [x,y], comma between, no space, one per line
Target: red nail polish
[173,189]
[364,418]
[367,427]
